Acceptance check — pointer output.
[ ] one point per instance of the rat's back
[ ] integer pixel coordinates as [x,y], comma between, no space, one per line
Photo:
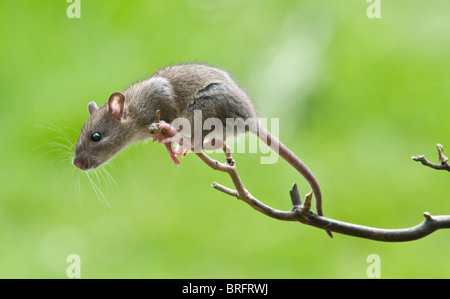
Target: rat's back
[191,80]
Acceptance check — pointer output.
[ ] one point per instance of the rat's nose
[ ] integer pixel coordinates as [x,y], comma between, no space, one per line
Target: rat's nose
[77,163]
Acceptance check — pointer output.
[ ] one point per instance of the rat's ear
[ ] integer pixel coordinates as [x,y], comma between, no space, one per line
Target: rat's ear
[92,107]
[115,104]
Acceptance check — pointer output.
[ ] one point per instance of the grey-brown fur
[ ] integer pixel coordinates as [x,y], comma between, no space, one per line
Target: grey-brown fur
[190,87]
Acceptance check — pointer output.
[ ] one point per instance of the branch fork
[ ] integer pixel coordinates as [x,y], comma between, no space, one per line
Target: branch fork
[442,158]
[301,212]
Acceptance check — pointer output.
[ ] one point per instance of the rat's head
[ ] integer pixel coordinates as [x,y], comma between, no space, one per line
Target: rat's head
[104,134]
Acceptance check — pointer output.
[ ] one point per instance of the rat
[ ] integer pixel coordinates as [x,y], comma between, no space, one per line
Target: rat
[177,91]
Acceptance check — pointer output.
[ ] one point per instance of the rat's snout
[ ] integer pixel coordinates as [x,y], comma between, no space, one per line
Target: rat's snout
[77,164]
[82,161]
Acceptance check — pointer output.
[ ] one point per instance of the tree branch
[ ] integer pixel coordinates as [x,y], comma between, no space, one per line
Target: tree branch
[442,158]
[302,212]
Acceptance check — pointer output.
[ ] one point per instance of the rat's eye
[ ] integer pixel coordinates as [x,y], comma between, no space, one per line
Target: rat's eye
[96,137]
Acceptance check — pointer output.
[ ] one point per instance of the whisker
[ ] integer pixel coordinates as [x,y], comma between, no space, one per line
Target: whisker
[111,178]
[55,144]
[97,191]
[102,173]
[62,148]
[78,189]
[53,128]
[64,138]
[60,143]
[109,163]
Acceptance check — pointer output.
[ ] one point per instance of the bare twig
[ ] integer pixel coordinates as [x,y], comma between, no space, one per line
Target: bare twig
[155,128]
[302,211]
[442,158]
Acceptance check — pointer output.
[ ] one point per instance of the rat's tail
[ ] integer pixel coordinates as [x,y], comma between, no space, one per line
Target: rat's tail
[295,162]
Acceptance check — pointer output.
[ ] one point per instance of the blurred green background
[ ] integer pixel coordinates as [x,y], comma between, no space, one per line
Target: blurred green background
[356,98]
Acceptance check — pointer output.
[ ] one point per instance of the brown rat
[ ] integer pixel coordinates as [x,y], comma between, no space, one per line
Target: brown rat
[177,91]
